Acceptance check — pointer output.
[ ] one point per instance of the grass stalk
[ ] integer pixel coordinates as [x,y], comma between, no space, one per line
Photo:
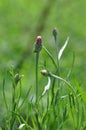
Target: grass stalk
[57,77]
[37,59]
[4,94]
[13,105]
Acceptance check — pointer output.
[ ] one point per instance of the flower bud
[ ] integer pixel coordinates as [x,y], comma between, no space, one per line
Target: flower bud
[55,33]
[44,72]
[39,39]
[17,77]
[38,44]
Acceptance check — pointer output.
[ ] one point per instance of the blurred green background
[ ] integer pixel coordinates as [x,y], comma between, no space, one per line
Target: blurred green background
[22,20]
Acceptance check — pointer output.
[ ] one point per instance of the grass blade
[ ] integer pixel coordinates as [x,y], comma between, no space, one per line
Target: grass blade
[4,94]
[62,49]
[47,86]
[51,57]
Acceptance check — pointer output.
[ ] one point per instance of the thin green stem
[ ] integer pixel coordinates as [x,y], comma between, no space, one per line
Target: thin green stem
[51,57]
[4,94]
[57,48]
[57,77]
[58,63]
[54,63]
[47,100]
[21,119]
[25,98]
[13,104]
[57,69]
[57,92]
[37,59]
[52,91]
[13,98]
[78,113]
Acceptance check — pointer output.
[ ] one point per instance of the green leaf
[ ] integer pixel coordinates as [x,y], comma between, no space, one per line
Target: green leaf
[62,49]
[47,86]
[21,126]
[51,57]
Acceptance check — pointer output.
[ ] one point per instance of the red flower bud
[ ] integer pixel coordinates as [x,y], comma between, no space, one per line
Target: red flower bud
[38,44]
[45,73]
[39,40]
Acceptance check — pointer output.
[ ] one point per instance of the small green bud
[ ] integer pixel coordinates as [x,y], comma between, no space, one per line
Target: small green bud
[17,77]
[55,32]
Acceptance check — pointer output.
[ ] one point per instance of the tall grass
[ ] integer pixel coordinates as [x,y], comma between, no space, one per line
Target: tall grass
[60,106]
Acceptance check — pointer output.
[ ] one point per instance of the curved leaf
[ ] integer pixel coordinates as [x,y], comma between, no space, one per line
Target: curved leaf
[62,49]
[47,86]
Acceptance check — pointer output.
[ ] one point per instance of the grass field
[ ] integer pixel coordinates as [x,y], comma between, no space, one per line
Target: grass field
[21,21]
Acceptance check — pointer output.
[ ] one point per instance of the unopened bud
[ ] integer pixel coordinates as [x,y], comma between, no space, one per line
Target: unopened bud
[55,33]
[38,44]
[39,39]
[17,77]
[44,72]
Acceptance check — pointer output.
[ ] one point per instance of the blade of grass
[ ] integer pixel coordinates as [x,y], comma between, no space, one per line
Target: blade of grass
[62,49]
[51,57]
[25,98]
[57,77]
[4,94]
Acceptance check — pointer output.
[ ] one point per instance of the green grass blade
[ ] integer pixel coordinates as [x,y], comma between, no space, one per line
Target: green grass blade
[4,94]
[25,97]
[62,49]
[51,57]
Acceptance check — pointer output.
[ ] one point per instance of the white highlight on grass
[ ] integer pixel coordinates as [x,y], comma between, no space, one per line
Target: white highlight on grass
[63,48]
[21,126]
[47,86]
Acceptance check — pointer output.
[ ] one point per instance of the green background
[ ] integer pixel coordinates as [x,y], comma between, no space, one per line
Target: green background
[20,23]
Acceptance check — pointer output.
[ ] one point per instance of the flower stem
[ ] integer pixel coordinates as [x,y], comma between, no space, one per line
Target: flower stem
[4,94]
[37,58]
[59,78]
[58,66]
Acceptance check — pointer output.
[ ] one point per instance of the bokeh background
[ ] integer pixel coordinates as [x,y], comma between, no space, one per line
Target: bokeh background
[22,20]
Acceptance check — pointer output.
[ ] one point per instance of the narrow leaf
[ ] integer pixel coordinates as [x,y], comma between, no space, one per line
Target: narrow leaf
[62,49]
[21,126]
[47,86]
[51,57]
[27,94]
[4,94]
